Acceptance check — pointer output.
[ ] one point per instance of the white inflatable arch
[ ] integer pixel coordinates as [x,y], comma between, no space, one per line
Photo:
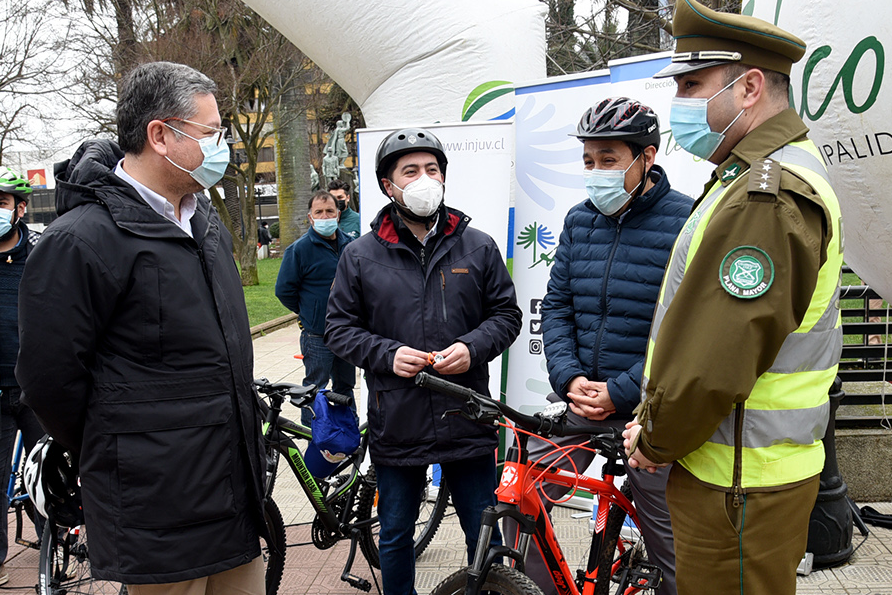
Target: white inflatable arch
[410,62]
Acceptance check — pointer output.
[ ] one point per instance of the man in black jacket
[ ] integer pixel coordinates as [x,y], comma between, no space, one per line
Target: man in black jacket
[422,291]
[135,347]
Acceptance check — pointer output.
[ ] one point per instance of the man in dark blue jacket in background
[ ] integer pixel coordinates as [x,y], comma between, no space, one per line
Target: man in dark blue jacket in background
[424,290]
[304,282]
[601,294]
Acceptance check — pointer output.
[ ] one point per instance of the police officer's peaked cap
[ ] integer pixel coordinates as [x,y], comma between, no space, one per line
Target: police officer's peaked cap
[706,38]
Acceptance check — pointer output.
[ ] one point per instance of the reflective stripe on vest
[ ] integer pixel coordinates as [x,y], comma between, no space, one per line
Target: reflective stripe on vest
[786,414]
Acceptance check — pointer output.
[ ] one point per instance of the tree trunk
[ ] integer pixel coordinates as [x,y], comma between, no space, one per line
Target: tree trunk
[292,166]
[247,250]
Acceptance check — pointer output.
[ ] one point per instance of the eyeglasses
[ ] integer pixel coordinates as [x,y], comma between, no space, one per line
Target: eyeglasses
[219,133]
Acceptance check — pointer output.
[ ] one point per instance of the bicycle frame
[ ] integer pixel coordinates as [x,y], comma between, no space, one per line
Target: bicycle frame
[281,437]
[17,498]
[517,488]
[520,500]
[281,432]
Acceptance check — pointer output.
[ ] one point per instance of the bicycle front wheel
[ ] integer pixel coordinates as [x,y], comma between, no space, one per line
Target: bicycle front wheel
[500,580]
[430,515]
[65,564]
[273,547]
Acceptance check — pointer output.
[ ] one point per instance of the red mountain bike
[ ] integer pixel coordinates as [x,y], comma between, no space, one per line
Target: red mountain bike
[615,564]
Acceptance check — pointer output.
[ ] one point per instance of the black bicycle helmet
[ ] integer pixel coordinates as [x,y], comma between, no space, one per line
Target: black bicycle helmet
[50,477]
[12,182]
[407,140]
[620,118]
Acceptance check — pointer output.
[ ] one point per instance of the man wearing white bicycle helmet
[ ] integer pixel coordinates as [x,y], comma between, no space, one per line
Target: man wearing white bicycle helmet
[601,294]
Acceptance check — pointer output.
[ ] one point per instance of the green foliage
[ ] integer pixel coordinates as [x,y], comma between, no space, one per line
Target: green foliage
[263,305]
[274,229]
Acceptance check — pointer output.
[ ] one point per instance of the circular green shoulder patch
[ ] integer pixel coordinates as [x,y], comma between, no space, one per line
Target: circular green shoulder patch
[746,272]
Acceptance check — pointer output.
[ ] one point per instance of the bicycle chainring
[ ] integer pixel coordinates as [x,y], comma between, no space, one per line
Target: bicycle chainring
[322,537]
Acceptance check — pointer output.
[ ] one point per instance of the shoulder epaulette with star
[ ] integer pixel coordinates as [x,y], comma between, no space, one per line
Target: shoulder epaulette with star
[764,177]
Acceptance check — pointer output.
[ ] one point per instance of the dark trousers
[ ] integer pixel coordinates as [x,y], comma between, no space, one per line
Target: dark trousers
[750,549]
[472,483]
[13,416]
[320,365]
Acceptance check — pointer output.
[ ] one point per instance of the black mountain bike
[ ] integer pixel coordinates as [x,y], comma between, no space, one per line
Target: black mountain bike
[345,503]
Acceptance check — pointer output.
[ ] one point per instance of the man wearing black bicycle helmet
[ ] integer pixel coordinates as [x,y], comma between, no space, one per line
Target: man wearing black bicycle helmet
[601,294]
[423,291]
[16,243]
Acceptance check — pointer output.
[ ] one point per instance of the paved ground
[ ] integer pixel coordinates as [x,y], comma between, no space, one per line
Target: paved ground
[311,571]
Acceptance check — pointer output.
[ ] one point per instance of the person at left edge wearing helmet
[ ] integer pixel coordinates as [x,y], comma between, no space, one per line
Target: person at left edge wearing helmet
[601,294]
[16,243]
[423,283]
[133,303]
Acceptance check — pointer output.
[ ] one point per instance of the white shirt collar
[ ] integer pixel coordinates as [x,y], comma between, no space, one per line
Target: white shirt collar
[160,204]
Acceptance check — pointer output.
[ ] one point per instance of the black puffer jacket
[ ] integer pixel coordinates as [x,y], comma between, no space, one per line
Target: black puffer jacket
[383,298]
[136,352]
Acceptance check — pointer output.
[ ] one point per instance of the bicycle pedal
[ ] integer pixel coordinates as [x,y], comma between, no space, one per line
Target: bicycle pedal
[645,576]
[35,545]
[357,582]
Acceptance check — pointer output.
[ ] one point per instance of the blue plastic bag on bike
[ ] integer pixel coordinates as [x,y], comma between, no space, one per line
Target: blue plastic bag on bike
[335,436]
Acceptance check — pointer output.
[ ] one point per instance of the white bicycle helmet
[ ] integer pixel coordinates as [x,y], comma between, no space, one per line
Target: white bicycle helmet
[50,477]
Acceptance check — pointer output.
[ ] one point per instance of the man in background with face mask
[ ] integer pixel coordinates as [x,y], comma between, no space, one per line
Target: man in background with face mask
[304,282]
[422,291]
[746,336]
[136,352]
[16,243]
[349,219]
[601,294]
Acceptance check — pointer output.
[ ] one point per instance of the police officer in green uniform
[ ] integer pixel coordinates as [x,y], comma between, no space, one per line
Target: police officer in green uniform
[746,336]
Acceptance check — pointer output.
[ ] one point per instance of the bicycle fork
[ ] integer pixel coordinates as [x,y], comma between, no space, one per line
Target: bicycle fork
[486,555]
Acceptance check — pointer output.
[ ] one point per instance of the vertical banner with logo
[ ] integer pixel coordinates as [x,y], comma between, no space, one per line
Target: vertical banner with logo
[478,183]
[549,182]
[839,89]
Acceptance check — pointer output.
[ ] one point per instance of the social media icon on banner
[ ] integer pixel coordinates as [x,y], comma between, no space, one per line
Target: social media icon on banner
[536,346]
[536,306]
[535,327]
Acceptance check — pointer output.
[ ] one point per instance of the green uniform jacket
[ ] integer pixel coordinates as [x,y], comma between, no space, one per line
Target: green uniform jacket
[711,346]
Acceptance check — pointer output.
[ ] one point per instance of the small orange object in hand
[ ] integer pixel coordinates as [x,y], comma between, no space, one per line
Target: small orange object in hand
[434,358]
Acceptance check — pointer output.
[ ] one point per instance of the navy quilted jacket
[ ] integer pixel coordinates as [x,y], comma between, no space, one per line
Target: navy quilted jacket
[603,288]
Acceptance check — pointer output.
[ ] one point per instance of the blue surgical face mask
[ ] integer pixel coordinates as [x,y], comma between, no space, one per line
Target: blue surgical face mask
[325,227]
[607,188]
[216,159]
[5,221]
[690,128]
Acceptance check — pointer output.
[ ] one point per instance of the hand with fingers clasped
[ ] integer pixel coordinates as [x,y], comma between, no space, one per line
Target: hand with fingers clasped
[590,399]
[637,460]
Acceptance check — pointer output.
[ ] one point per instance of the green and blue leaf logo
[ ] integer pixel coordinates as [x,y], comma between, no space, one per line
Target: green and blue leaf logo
[486,95]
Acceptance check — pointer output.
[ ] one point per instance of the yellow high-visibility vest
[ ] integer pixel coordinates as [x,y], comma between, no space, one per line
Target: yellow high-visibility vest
[775,437]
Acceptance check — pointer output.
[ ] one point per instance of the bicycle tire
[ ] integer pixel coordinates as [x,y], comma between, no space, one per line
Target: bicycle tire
[500,580]
[610,552]
[65,564]
[429,517]
[273,547]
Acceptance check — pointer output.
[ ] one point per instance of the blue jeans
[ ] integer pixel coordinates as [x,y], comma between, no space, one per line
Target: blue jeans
[320,365]
[472,483]
[14,416]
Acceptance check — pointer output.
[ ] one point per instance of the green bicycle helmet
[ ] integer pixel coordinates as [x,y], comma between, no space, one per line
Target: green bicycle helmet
[14,183]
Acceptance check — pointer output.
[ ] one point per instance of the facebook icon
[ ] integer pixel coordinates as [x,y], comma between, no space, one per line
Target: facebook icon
[536,306]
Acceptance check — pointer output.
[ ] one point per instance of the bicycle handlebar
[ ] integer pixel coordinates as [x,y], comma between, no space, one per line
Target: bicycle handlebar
[483,409]
[299,395]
